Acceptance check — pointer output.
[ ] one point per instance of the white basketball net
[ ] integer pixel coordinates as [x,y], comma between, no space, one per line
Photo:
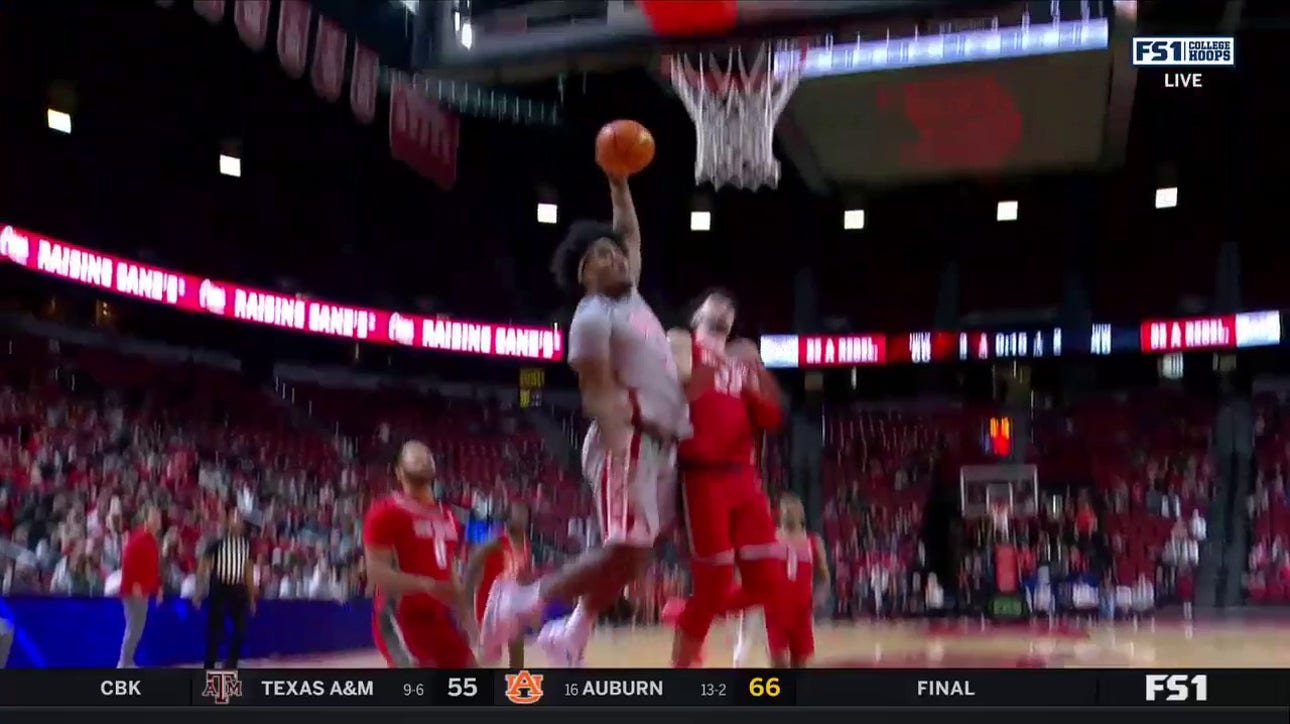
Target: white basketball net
[734,112]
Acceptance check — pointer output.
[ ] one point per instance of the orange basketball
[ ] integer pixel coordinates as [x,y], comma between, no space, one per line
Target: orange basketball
[624,148]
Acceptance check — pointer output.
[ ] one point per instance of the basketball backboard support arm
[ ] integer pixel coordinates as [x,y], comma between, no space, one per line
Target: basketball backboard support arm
[800,154]
[439,45]
[1123,85]
[524,42]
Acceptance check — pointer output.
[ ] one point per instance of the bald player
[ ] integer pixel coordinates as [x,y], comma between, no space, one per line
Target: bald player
[731,527]
[410,542]
[628,382]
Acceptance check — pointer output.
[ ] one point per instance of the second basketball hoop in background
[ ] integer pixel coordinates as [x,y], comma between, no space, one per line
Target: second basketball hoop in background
[735,106]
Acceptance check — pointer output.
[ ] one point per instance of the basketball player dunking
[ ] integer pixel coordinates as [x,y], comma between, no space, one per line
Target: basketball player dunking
[733,398]
[627,378]
[791,636]
[410,544]
[507,558]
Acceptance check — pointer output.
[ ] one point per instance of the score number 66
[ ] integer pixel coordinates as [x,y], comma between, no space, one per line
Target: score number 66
[769,686]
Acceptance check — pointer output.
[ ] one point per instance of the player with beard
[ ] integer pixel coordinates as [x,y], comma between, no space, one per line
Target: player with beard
[733,399]
[627,379]
[410,544]
[506,558]
[791,637]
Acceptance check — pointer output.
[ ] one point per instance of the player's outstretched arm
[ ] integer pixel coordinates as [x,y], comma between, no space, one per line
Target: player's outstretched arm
[626,224]
[388,579]
[761,392]
[682,352]
[474,569]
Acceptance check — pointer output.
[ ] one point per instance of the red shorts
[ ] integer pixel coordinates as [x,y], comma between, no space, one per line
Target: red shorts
[795,633]
[727,516]
[427,644]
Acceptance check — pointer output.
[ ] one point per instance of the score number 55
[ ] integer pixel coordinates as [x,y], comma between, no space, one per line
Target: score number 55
[760,687]
[462,687]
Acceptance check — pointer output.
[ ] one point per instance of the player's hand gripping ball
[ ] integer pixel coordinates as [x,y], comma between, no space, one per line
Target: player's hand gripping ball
[624,148]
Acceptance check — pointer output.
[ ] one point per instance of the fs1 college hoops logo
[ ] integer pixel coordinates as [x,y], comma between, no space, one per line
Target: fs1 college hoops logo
[1173,54]
[222,687]
[523,687]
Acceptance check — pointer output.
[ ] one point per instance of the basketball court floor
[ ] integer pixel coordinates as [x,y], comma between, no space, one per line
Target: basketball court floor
[1226,643]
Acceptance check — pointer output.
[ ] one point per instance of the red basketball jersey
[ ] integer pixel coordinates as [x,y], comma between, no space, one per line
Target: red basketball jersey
[424,537]
[799,559]
[723,428]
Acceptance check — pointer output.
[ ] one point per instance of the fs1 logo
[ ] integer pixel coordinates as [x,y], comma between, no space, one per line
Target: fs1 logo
[1180,52]
[1177,687]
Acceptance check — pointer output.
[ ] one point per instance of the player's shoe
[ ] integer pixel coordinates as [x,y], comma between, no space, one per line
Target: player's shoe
[750,635]
[501,623]
[562,644]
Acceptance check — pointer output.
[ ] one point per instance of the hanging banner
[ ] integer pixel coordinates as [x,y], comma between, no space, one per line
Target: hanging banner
[252,20]
[328,73]
[423,134]
[212,10]
[293,35]
[363,82]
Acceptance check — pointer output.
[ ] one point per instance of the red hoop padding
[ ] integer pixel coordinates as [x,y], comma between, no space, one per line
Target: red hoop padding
[690,17]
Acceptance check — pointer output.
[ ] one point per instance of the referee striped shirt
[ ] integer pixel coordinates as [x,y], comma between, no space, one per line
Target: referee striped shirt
[228,557]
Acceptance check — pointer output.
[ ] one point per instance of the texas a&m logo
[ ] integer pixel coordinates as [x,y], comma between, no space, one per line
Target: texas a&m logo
[523,687]
[222,686]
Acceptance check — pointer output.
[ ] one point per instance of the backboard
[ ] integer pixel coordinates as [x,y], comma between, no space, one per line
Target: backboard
[510,41]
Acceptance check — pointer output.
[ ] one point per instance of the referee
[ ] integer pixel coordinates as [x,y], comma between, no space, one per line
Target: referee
[226,564]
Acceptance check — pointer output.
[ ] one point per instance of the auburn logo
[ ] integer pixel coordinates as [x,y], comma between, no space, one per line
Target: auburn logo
[523,687]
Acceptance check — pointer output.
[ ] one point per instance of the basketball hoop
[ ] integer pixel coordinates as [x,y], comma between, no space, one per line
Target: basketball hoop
[735,107]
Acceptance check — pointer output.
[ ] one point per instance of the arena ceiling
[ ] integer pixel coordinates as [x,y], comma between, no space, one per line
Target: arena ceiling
[844,133]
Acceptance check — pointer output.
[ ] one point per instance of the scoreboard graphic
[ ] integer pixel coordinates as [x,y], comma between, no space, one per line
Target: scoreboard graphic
[894,689]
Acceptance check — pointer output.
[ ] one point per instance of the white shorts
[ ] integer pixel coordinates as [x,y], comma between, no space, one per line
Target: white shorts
[635,490]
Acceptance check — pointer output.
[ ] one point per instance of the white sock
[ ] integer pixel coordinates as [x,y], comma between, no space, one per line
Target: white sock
[741,646]
[752,629]
[582,621]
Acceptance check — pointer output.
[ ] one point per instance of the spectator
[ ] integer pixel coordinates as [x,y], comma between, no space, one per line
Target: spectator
[321,585]
[140,581]
[77,577]
[292,585]
[934,597]
[1198,526]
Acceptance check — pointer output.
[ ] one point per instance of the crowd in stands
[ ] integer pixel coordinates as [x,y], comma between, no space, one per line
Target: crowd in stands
[1268,574]
[88,436]
[1120,531]
[1137,524]
[878,470]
